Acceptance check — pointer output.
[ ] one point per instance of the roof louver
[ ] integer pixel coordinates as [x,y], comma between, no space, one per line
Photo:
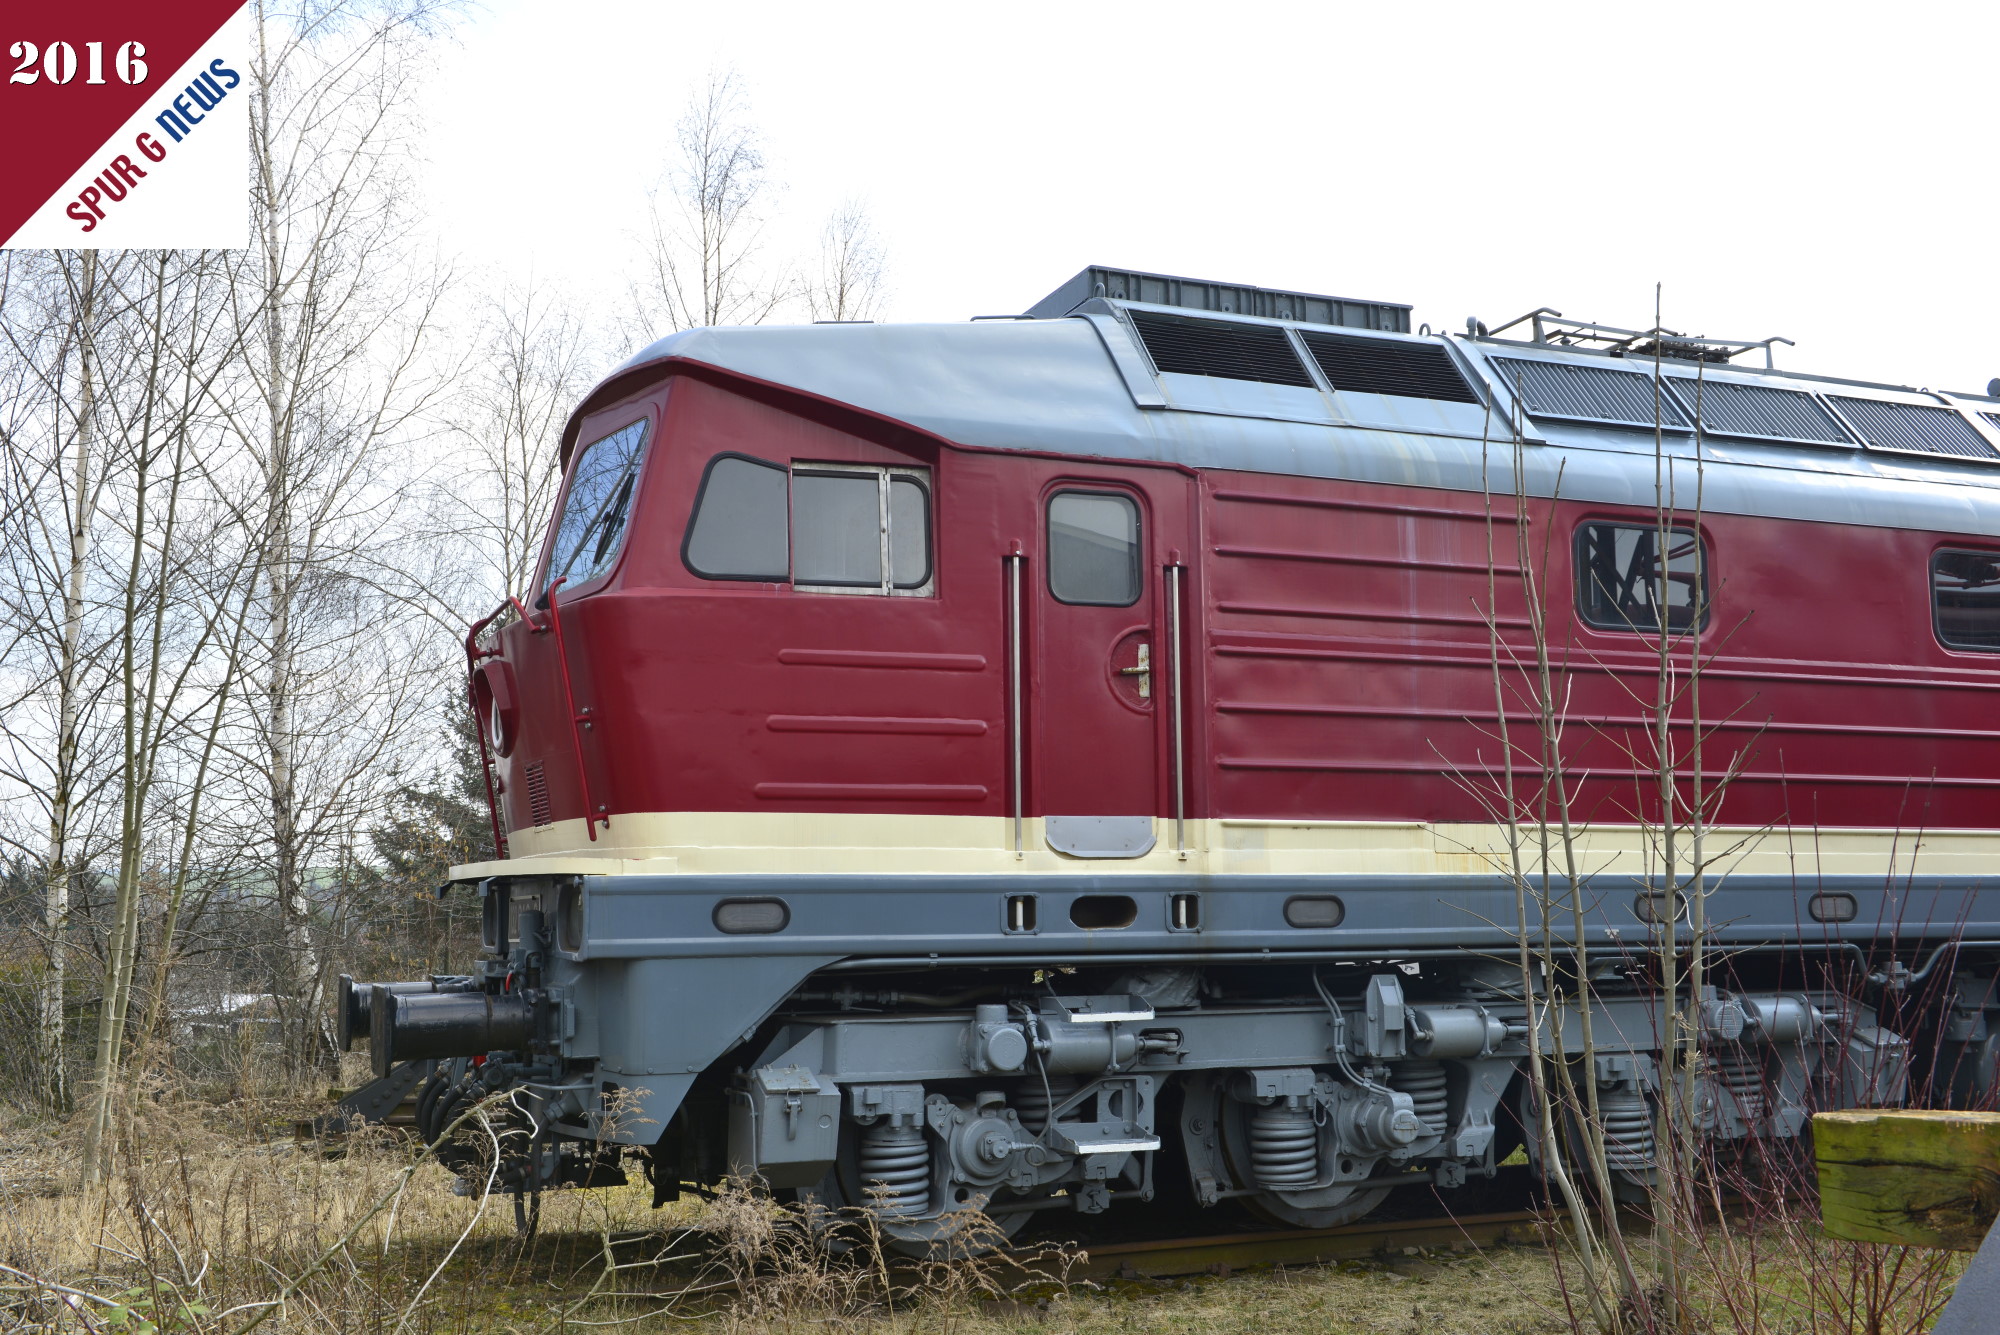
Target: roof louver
[1589,393]
[1914,428]
[1224,348]
[1383,366]
[1729,409]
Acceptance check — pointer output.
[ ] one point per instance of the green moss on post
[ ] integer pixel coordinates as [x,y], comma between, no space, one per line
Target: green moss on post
[1922,1179]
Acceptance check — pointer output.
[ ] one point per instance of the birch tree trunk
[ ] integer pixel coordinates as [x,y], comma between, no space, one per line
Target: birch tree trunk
[123,946]
[77,520]
[330,314]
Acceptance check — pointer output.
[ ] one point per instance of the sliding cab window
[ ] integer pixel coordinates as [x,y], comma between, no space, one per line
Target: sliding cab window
[823,528]
[1625,582]
[1094,548]
[1965,600]
[590,531]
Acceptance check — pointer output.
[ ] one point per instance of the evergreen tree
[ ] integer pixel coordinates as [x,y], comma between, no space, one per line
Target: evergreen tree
[435,823]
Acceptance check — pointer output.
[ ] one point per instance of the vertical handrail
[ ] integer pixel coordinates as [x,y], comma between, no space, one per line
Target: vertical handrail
[1176,705]
[472,657]
[1013,560]
[575,719]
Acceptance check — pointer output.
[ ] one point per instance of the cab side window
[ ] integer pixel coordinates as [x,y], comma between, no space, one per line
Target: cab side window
[590,531]
[1965,599]
[738,530]
[1624,581]
[823,528]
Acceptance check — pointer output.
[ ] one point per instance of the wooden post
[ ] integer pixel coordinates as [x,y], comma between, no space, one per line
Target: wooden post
[1918,1178]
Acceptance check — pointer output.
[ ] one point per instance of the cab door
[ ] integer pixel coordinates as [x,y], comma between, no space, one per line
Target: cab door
[1103,672]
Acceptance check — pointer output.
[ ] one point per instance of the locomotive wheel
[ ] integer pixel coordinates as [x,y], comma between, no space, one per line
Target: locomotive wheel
[1329,1207]
[1970,1074]
[1630,1186]
[1212,1123]
[953,1235]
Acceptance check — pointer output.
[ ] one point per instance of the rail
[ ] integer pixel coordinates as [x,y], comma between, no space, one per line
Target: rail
[1303,1246]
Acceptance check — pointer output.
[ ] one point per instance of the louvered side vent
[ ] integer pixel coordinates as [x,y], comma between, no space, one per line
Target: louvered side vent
[538,796]
[1914,428]
[1589,393]
[1221,348]
[1755,410]
[1380,366]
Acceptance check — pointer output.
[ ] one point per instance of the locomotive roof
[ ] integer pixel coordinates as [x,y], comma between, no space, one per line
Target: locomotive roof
[1088,383]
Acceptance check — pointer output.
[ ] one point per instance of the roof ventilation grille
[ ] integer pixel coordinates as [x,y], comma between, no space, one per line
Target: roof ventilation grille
[1383,366]
[1589,393]
[1914,428]
[1729,409]
[1220,348]
[1197,294]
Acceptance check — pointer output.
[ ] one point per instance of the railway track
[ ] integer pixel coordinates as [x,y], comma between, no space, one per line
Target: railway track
[1225,1253]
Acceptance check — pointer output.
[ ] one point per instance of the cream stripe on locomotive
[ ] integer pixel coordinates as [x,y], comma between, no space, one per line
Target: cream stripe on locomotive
[770,843]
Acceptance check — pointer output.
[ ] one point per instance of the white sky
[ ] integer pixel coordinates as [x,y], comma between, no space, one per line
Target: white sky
[1824,172]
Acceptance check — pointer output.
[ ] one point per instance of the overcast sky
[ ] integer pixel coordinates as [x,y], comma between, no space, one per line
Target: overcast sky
[1822,172]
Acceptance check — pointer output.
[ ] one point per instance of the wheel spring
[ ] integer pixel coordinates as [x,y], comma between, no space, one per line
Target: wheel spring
[1628,1129]
[1424,1082]
[1284,1147]
[1742,1073]
[1032,1100]
[896,1170]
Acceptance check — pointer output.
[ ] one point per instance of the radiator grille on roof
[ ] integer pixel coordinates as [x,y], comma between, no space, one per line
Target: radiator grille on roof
[1756,410]
[1380,366]
[1589,393]
[1916,428]
[1221,348]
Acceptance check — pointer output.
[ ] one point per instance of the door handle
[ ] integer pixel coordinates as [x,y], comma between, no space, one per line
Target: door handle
[1143,670]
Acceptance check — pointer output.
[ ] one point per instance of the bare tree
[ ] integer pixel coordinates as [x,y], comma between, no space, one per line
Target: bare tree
[848,282]
[329,333]
[507,410]
[51,495]
[173,537]
[706,226]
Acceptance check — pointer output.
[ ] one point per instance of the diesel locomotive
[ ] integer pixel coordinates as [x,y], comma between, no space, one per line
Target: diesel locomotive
[1047,761]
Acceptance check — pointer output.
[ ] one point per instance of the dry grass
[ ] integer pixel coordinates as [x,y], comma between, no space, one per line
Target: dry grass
[216,1221]
[218,1213]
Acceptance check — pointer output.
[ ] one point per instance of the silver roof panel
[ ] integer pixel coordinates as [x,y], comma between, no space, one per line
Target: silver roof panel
[1083,386]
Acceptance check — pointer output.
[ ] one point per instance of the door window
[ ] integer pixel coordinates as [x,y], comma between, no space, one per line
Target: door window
[1094,548]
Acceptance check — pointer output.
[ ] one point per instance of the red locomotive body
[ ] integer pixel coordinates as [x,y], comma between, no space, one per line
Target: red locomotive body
[1338,661]
[1214,654]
